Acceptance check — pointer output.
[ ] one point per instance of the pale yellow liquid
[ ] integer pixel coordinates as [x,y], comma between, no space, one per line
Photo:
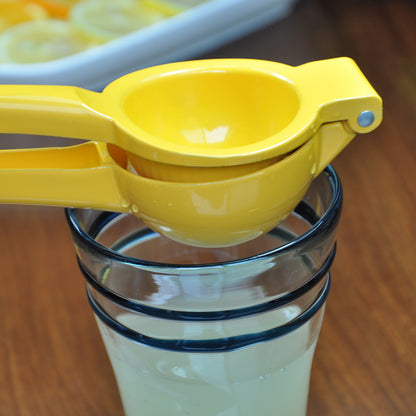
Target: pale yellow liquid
[266,379]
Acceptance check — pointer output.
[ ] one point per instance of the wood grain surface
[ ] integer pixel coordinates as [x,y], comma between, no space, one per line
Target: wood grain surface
[52,361]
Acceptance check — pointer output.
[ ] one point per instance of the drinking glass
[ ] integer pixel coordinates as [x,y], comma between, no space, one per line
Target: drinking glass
[211,331]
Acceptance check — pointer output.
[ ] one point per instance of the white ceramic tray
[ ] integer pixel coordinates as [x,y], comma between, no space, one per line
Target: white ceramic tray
[183,36]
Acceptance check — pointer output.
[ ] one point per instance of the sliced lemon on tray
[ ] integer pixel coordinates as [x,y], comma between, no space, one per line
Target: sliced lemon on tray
[44,30]
[13,12]
[104,20]
[173,6]
[40,41]
[56,8]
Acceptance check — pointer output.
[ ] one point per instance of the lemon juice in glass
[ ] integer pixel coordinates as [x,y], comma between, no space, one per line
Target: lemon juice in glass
[211,331]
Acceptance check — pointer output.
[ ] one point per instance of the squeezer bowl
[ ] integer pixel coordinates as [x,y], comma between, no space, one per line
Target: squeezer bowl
[223,212]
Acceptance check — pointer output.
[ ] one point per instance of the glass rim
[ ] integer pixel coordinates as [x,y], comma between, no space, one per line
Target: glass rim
[111,254]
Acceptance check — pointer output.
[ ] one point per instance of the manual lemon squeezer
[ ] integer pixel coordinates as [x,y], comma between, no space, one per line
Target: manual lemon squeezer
[208,153]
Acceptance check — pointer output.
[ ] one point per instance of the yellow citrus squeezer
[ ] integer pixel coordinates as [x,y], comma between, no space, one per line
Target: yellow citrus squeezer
[208,153]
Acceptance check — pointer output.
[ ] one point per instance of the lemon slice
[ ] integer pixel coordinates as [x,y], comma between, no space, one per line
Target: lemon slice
[173,6]
[56,8]
[13,12]
[40,41]
[105,20]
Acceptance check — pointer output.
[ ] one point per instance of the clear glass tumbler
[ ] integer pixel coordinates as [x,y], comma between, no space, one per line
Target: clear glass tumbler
[211,332]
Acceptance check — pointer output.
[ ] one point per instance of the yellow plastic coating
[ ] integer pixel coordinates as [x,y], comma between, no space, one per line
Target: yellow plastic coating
[78,176]
[207,214]
[216,213]
[222,112]
[223,149]
[61,111]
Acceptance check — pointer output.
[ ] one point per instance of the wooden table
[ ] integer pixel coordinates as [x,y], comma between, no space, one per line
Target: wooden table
[52,361]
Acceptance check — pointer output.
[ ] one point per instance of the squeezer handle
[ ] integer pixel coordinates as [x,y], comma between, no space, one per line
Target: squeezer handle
[338,91]
[62,111]
[80,176]
[345,104]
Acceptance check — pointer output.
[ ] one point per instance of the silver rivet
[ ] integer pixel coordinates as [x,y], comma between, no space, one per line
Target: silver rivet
[366,118]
